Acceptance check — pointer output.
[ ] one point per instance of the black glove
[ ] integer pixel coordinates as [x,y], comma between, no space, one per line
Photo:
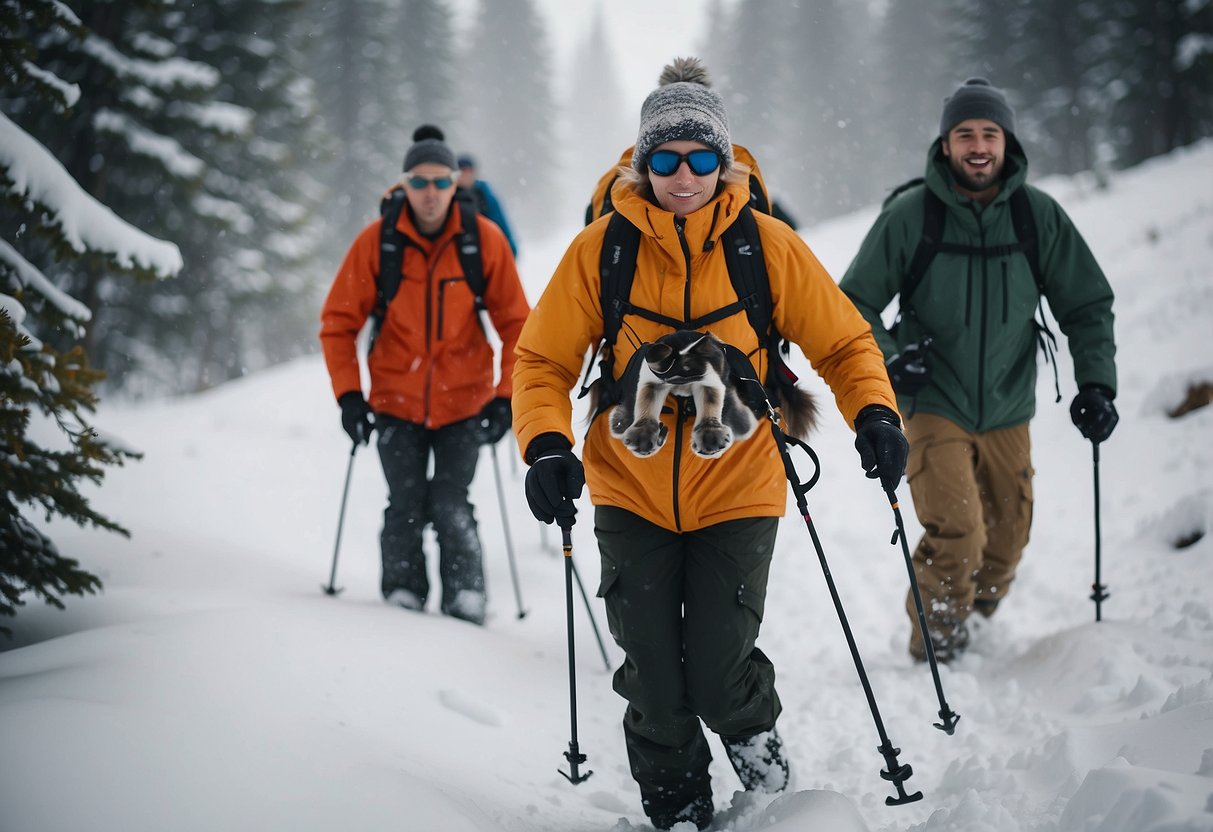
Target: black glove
[1093,413]
[908,370]
[356,417]
[554,480]
[495,420]
[882,446]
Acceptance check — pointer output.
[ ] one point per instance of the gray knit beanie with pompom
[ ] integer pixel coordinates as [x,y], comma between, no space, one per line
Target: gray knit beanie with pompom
[683,107]
[428,146]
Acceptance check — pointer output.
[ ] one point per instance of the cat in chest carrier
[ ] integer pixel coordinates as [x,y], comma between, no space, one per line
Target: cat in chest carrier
[695,365]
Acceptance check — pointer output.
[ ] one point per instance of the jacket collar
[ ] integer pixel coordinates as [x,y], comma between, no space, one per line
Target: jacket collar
[701,229]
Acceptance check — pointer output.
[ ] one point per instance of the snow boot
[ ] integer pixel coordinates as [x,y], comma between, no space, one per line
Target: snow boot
[699,812]
[759,761]
[949,640]
[468,605]
[405,598]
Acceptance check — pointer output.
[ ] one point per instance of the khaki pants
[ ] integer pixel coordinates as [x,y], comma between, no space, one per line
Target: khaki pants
[973,495]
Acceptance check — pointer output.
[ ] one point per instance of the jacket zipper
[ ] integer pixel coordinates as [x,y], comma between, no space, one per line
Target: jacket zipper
[680,225]
[431,265]
[981,341]
[442,284]
[680,416]
[1006,292]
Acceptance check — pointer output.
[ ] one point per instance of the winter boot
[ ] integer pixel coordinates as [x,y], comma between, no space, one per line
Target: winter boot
[948,639]
[405,598]
[468,604]
[759,761]
[699,812]
[986,606]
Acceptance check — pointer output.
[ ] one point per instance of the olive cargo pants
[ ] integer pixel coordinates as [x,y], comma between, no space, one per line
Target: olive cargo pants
[686,609]
[973,495]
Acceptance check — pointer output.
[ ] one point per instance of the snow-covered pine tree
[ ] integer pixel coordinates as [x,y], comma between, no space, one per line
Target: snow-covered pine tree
[509,108]
[47,446]
[427,60]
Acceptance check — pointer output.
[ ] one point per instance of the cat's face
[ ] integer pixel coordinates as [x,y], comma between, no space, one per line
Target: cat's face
[681,359]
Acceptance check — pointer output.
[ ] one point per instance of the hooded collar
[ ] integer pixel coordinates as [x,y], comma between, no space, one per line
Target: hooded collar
[701,229]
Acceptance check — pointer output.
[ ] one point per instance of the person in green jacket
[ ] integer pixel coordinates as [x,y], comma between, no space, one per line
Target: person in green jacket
[962,355]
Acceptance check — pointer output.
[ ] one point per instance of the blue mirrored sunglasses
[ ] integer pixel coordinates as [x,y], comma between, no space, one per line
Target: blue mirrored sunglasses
[419,183]
[701,162]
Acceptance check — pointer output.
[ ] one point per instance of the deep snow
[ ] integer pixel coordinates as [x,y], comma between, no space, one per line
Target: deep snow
[213,686]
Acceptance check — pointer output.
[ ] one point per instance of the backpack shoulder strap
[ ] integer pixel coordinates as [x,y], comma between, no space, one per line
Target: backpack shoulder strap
[468,242]
[748,270]
[758,197]
[1025,232]
[933,219]
[391,253]
[617,268]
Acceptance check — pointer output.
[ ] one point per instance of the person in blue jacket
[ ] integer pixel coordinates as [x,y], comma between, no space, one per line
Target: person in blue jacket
[486,198]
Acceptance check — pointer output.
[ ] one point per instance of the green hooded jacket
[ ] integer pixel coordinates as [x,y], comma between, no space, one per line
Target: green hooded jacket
[980,310]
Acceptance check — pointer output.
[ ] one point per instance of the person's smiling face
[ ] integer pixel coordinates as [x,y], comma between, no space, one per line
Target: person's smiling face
[682,192]
[976,150]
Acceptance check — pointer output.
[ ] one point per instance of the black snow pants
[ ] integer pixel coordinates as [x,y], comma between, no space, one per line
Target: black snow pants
[686,609]
[415,500]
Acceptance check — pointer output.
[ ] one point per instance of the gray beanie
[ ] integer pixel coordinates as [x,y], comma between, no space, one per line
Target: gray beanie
[975,98]
[428,146]
[683,107]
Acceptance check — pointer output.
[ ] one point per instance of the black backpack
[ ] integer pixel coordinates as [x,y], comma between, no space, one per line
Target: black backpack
[934,217]
[392,243]
[748,274]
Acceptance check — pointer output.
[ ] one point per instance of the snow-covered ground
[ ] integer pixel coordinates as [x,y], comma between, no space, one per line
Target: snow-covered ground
[213,686]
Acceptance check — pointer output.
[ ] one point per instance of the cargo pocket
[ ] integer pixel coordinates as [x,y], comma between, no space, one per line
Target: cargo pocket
[752,599]
[606,591]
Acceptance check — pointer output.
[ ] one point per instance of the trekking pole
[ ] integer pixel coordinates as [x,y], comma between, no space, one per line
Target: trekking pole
[1098,590]
[573,755]
[894,772]
[345,493]
[505,525]
[947,715]
[590,612]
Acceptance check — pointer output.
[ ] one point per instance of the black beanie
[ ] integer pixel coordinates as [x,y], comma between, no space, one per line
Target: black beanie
[428,146]
[975,98]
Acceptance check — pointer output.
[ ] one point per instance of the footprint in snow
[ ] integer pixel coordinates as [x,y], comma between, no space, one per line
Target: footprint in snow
[472,710]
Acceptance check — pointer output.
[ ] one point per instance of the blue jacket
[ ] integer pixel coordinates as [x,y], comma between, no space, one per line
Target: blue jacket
[491,208]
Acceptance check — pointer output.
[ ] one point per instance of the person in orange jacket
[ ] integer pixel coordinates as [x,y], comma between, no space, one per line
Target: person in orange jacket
[686,542]
[432,390]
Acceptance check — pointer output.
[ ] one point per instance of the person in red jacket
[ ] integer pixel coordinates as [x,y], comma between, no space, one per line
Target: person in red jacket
[432,388]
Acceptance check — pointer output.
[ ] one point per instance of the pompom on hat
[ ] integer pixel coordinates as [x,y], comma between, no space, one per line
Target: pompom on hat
[977,98]
[429,145]
[683,107]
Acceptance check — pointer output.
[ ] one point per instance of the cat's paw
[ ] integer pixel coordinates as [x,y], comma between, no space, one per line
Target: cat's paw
[711,438]
[619,420]
[646,437]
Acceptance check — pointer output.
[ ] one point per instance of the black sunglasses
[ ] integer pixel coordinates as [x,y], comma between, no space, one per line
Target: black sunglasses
[701,162]
[419,183]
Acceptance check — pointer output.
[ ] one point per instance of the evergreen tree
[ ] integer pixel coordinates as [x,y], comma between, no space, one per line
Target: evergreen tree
[1163,65]
[509,109]
[601,127]
[47,446]
[427,53]
[353,56]
[914,75]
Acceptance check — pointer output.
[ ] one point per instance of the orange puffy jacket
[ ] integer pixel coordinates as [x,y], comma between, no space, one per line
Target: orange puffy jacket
[675,488]
[432,363]
[597,206]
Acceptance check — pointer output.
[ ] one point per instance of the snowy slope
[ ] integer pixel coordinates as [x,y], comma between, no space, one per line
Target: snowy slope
[213,686]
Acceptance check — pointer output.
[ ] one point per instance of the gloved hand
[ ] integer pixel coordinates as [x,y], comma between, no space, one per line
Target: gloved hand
[1093,413]
[555,478]
[908,370]
[355,417]
[495,420]
[882,446]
